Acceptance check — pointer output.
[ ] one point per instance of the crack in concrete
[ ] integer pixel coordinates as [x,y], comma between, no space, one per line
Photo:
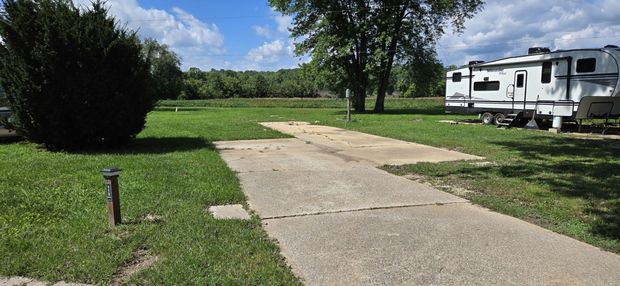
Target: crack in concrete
[361,210]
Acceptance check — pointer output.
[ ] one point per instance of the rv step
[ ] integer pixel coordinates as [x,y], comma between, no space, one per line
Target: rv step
[509,120]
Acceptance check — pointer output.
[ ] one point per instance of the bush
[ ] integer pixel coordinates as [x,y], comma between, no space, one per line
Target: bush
[73,78]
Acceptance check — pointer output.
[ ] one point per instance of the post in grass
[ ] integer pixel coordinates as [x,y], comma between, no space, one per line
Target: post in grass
[348,96]
[110,179]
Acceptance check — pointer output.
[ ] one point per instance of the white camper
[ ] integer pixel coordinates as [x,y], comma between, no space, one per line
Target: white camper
[563,85]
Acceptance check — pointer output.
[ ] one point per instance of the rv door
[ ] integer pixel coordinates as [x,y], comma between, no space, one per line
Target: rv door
[520,90]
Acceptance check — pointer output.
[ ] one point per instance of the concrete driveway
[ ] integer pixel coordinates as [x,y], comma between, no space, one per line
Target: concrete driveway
[341,221]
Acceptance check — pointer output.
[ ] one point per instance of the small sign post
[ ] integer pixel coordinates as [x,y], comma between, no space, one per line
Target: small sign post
[348,96]
[110,179]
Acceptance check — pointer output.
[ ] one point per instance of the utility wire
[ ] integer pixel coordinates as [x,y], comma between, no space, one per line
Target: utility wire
[441,48]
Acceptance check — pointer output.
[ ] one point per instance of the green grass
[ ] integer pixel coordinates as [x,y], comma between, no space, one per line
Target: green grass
[391,103]
[53,222]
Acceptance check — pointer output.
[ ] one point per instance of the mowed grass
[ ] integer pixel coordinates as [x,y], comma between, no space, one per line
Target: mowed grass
[53,223]
[391,103]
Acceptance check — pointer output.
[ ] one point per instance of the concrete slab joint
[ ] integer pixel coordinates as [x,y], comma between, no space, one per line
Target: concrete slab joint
[341,221]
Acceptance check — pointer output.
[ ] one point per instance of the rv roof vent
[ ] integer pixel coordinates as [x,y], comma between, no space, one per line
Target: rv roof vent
[538,50]
[473,63]
[611,47]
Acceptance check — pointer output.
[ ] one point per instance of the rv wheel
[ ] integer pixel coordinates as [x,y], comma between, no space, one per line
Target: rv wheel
[487,118]
[499,118]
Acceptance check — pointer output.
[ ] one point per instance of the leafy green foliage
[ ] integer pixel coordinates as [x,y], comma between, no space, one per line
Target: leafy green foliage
[3,100]
[73,78]
[226,84]
[165,69]
[365,38]
[420,79]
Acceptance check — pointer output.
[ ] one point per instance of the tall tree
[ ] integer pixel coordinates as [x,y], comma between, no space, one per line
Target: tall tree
[165,69]
[365,37]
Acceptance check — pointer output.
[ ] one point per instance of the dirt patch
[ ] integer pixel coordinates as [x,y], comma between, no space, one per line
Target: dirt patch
[465,121]
[415,177]
[152,218]
[141,260]
[483,163]
[441,185]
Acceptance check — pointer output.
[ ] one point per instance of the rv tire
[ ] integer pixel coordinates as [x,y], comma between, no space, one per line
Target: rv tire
[499,118]
[487,118]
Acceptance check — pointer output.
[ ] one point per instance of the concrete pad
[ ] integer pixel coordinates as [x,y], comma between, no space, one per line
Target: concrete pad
[362,147]
[327,135]
[14,281]
[408,153]
[339,221]
[38,283]
[254,161]
[229,212]
[293,193]
[457,244]
[63,283]
[290,144]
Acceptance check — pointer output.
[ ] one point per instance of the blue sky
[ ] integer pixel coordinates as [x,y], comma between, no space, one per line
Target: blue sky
[247,34]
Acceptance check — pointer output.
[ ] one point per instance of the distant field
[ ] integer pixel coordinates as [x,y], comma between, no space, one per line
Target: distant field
[428,103]
[53,221]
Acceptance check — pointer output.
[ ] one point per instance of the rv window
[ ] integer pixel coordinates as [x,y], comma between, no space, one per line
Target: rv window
[546,72]
[486,85]
[456,77]
[520,80]
[586,65]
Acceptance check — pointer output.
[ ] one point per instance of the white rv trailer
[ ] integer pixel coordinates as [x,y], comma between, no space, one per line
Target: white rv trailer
[563,85]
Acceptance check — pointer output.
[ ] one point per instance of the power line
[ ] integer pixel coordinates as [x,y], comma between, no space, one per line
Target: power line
[441,48]
[521,42]
[267,16]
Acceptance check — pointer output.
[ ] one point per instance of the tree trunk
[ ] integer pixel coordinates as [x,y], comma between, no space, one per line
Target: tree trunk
[386,65]
[384,76]
[359,99]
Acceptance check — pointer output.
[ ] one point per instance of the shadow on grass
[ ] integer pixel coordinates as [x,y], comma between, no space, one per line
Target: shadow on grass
[422,111]
[403,111]
[11,139]
[587,169]
[577,168]
[157,145]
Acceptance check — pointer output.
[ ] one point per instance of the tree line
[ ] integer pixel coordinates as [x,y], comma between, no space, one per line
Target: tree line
[306,81]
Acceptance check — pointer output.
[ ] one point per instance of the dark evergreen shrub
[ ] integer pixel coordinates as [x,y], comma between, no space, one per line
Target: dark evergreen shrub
[74,79]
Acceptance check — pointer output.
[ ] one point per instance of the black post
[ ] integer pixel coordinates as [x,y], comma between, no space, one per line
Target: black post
[110,179]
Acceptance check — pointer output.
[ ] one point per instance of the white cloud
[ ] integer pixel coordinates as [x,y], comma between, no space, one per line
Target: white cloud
[507,28]
[184,33]
[262,31]
[284,22]
[201,44]
[269,52]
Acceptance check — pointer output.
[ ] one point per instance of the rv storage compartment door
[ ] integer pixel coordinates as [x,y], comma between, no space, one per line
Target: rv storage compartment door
[563,108]
[544,108]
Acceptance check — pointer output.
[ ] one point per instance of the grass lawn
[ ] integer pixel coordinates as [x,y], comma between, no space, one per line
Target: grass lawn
[53,223]
[53,220]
